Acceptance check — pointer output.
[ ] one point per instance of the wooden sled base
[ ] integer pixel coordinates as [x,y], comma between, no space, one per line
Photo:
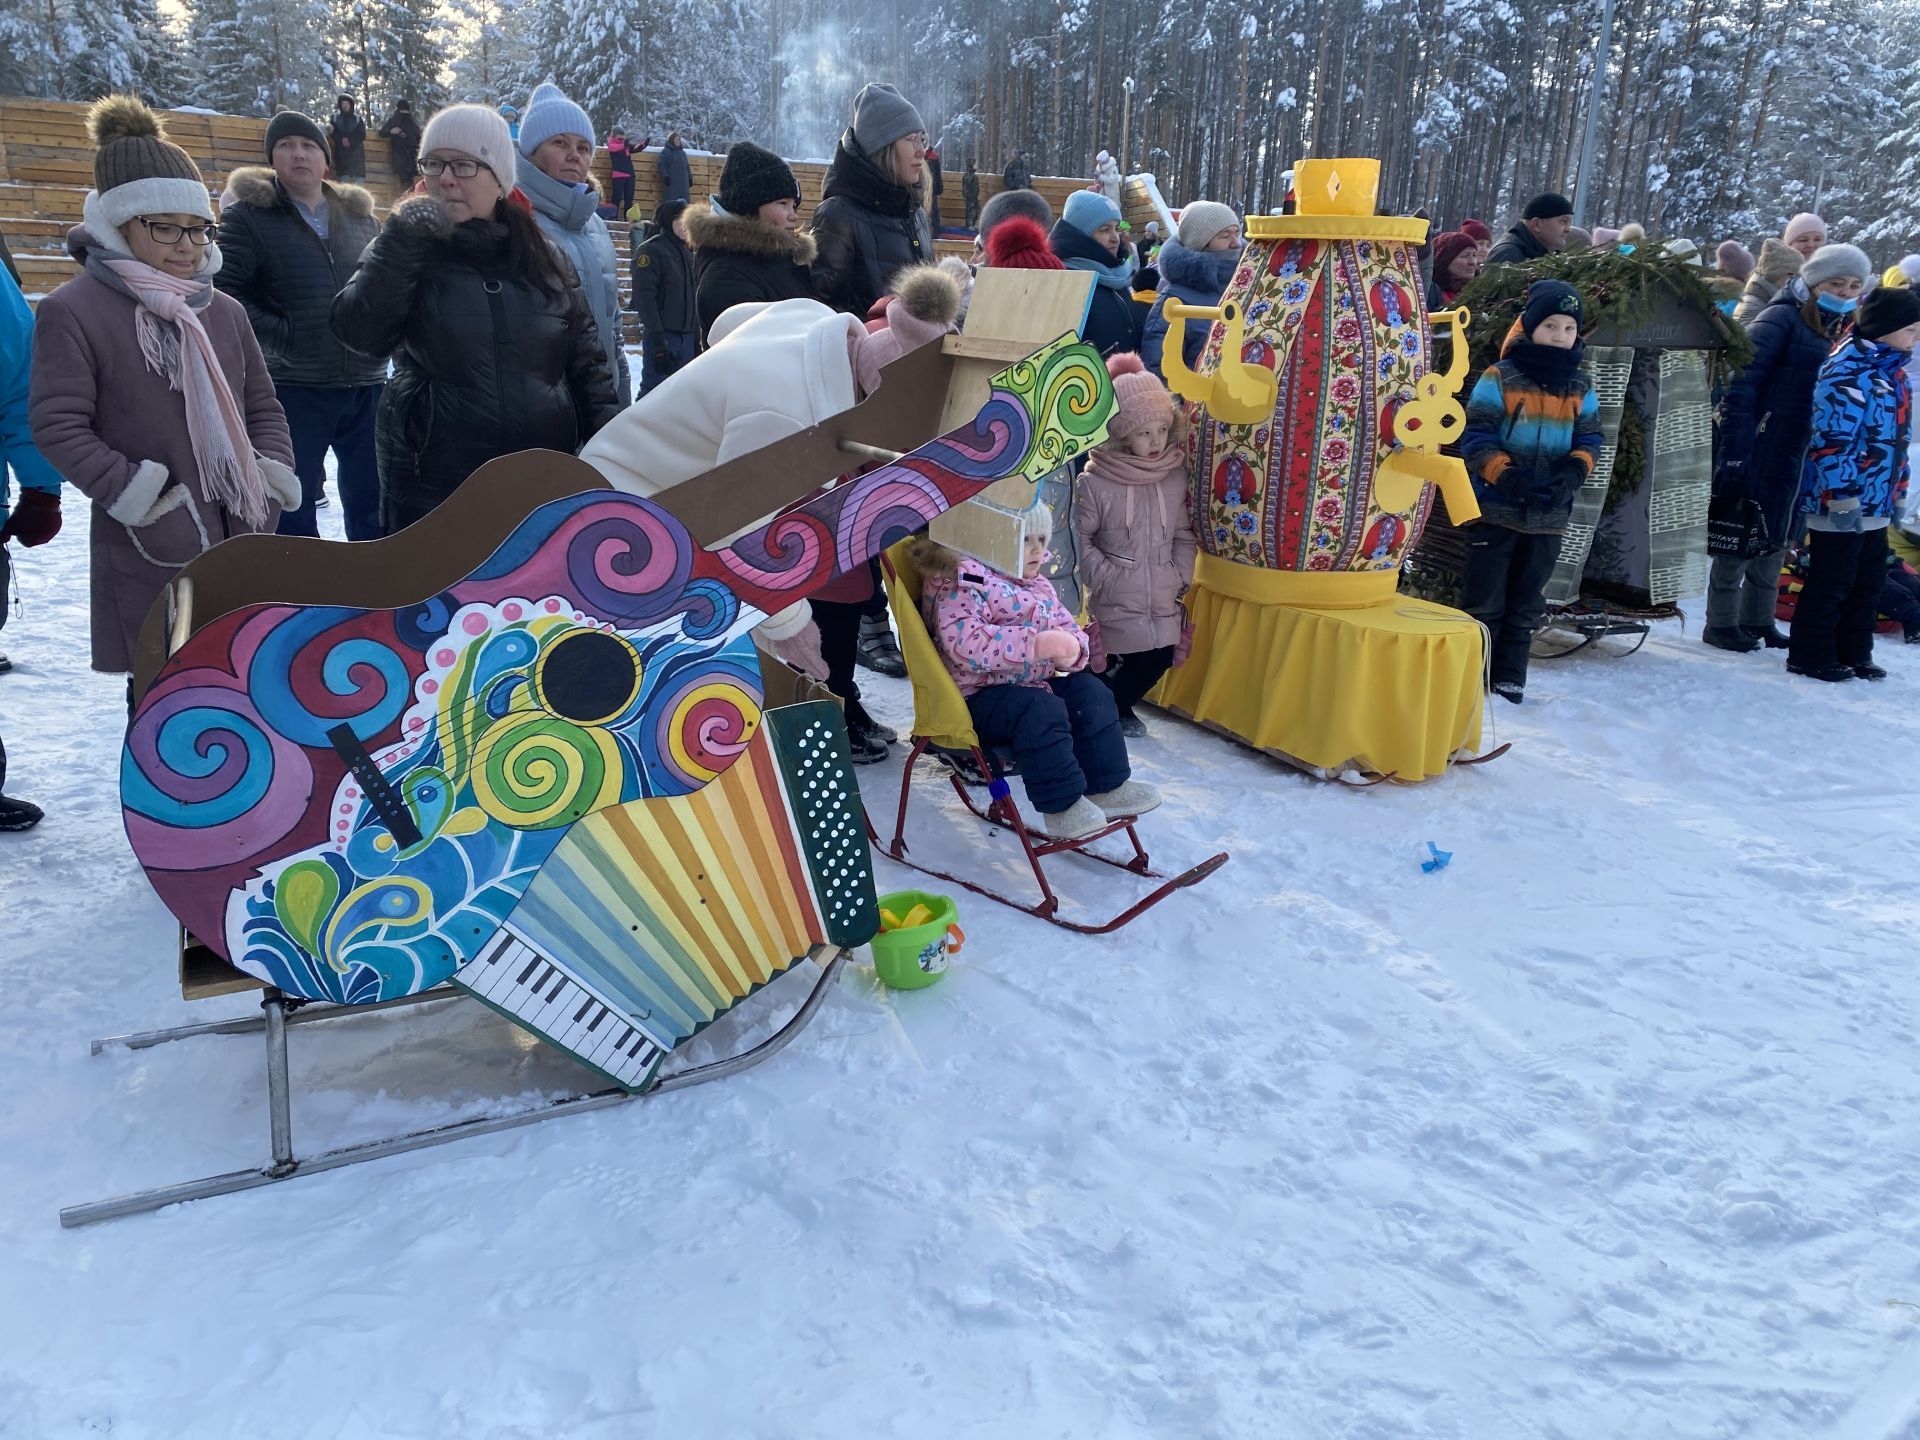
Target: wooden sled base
[1000,811]
[1588,621]
[277,1016]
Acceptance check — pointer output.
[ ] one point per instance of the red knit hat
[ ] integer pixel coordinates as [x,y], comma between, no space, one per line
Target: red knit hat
[1139,396]
[1446,250]
[1477,229]
[1017,243]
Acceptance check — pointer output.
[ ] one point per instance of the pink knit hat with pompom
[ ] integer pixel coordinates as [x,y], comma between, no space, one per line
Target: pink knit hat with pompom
[1139,396]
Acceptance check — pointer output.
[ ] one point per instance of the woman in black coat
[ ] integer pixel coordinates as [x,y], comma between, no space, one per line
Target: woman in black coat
[1766,420]
[1087,237]
[751,248]
[494,349]
[873,219]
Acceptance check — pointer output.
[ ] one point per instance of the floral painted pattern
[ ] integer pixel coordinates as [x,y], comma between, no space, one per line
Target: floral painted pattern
[1343,326]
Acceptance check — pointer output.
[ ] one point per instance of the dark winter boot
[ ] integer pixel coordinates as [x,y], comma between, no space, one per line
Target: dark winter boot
[867,738]
[878,650]
[1771,636]
[1731,637]
[1869,671]
[1510,692]
[19,814]
[5,665]
[1912,635]
[1832,674]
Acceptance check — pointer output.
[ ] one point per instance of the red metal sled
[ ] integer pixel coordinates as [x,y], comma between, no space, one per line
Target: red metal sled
[940,717]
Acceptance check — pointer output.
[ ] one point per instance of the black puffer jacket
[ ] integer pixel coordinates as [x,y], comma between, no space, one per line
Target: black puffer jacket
[1766,416]
[287,276]
[738,260]
[485,363]
[867,227]
[663,293]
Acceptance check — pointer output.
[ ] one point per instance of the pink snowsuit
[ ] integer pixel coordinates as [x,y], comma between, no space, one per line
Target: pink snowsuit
[986,623]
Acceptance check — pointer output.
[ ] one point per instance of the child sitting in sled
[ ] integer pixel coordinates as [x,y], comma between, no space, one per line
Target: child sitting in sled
[1021,662]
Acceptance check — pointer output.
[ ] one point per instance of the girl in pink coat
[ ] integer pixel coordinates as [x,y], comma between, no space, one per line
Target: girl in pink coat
[1137,544]
[1021,662]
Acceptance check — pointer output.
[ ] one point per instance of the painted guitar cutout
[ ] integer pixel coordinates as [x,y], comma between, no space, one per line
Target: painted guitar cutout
[349,803]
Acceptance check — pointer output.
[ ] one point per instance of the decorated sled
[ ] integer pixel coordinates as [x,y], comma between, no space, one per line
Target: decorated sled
[544,777]
[943,726]
[1316,425]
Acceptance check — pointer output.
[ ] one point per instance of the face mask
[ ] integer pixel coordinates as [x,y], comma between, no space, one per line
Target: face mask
[1834,305]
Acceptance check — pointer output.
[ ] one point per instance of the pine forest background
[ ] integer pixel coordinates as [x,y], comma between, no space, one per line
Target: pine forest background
[1716,117]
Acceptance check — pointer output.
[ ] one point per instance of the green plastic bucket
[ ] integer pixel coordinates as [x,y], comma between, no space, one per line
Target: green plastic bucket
[915,957]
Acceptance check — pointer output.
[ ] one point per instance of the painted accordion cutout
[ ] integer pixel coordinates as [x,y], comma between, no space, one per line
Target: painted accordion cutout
[351,804]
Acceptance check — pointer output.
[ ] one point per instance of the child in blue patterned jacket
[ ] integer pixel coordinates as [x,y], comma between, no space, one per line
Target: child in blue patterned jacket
[1852,483]
[1532,437]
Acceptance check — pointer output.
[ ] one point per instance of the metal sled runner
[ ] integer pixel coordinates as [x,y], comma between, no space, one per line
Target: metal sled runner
[279,1013]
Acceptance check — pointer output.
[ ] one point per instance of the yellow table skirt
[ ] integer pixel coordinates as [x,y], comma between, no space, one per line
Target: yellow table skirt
[1395,686]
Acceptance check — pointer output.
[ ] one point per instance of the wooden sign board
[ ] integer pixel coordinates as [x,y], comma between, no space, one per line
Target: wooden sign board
[1012,314]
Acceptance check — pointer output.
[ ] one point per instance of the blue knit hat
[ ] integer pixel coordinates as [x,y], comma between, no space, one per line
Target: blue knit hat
[1087,210]
[550,113]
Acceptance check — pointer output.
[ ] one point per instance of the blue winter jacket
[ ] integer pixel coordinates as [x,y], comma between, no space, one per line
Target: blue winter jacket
[1767,411]
[1862,411]
[17,453]
[1193,277]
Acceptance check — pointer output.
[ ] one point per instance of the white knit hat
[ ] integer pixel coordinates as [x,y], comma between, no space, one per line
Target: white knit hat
[473,130]
[1202,220]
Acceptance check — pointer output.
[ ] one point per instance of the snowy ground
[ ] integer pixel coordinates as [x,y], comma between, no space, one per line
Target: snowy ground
[1607,1130]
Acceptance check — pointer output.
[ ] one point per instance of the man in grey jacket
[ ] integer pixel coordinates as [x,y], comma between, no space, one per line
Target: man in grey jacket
[555,171]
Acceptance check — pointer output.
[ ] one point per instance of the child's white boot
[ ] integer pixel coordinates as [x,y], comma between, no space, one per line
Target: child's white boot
[1136,797]
[1076,822]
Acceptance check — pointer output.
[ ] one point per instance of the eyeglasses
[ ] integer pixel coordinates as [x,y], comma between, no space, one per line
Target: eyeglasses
[462,169]
[165,232]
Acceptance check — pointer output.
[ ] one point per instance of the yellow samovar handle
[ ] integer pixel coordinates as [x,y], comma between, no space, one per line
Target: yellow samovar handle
[1237,393]
[1434,417]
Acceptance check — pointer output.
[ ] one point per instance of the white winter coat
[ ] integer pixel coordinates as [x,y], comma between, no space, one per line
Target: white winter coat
[774,370]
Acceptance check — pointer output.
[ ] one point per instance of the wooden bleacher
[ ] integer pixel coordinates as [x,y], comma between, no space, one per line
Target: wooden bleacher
[46,168]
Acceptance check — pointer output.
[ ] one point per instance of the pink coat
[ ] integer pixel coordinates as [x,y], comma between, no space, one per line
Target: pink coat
[1137,549]
[98,410]
[986,623]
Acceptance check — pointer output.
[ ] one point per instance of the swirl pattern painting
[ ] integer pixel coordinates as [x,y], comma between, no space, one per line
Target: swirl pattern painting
[348,803]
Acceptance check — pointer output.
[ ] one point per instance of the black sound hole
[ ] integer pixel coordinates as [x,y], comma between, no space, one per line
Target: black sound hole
[588,676]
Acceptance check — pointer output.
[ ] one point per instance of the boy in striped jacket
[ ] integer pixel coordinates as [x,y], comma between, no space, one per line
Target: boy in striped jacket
[1532,438]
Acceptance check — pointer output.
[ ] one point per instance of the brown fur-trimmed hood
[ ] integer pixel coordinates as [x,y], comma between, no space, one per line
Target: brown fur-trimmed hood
[747,235]
[258,186]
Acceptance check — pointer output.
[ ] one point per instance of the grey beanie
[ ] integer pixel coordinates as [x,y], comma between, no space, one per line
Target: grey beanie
[1835,262]
[1202,220]
[881,115]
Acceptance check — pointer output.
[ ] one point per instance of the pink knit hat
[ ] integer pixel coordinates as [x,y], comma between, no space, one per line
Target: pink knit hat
[1139,396]
[1605,237]
[925,301]
[1735,261]
[1805,223]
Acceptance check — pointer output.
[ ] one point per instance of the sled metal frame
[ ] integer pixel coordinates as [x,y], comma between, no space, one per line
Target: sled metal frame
[278,1012]
[1003,813]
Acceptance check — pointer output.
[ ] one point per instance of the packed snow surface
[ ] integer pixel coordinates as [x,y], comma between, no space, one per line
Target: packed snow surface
[1611,1128]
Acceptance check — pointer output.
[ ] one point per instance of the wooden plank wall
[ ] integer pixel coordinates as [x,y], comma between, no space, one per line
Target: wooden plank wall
[46,167]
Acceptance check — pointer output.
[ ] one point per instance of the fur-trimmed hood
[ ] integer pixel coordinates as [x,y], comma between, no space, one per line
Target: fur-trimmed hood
[258,186]
[747,235]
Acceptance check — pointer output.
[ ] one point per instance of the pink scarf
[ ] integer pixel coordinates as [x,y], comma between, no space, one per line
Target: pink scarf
[176,346]
[1113,462]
